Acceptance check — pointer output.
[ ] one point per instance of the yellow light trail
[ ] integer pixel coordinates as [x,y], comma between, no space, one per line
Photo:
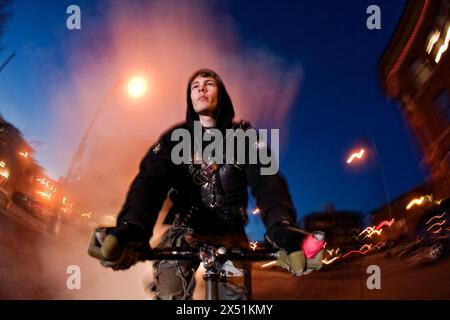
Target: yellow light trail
[370,231]
[434,38]
[326,261]
[444,47]
[380,245]
[45,195]
[4,173]
[253,245]
[268,264]
[42,181]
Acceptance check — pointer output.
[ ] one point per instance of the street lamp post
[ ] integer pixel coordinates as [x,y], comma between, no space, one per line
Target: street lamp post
[360,154]
[383,178]
[137,87]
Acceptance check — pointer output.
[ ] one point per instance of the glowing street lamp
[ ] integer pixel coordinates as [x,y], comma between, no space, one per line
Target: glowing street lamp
[137,87]
[419,201]
[356,155]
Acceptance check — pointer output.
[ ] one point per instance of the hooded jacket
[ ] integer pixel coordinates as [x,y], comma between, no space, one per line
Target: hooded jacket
[158,174]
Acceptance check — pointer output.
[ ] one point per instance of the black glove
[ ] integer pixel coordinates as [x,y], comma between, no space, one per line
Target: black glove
[118,248]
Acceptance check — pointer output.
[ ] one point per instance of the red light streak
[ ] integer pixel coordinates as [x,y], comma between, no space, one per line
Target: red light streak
[436,224]
[410,40]
[435,217]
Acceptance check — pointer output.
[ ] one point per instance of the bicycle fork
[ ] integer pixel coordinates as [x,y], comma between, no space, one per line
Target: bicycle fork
[211,285]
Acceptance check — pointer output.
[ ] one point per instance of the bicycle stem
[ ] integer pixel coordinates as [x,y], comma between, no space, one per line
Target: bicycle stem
[299,230]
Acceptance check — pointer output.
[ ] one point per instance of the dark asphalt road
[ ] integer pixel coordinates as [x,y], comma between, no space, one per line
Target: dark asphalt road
[34,264]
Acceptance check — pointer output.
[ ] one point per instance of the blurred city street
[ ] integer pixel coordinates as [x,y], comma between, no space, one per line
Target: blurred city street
[348,281]
[35,261]
[319,128]
[34,266]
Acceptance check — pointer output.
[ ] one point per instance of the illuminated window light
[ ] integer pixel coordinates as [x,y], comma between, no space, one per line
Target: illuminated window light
[433,40]
[444,47]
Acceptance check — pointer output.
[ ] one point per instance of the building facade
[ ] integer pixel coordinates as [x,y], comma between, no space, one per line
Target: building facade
[415,70]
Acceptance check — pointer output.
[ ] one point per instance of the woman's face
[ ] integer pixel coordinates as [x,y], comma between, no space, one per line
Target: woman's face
[204,95]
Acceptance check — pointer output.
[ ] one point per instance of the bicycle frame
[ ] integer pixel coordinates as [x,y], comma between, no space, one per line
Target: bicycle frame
[207,254]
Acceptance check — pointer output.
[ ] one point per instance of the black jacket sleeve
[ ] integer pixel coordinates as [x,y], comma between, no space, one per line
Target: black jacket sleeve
[149,188]
[275,205]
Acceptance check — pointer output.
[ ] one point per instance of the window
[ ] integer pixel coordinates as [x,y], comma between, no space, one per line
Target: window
[420,72]
[443,105]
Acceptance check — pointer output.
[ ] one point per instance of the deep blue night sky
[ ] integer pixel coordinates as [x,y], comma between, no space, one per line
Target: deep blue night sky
[340,105]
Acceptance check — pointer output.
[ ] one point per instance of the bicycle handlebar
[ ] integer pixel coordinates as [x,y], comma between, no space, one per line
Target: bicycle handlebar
[219,253]
[201,251]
